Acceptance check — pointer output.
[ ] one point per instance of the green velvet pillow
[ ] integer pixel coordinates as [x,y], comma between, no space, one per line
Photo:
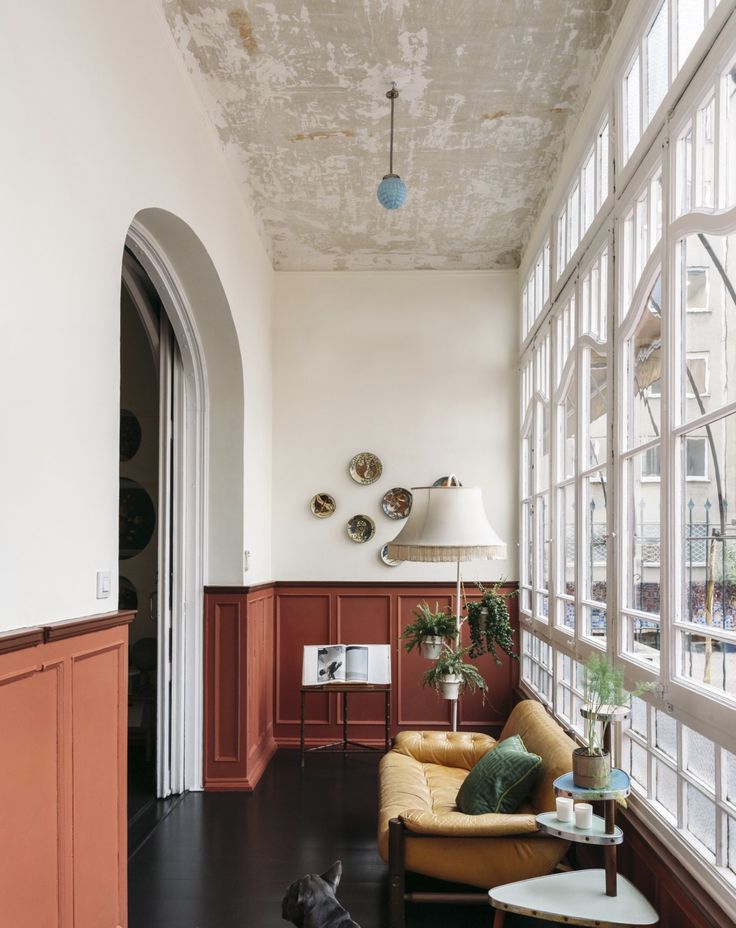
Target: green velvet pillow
[501,780]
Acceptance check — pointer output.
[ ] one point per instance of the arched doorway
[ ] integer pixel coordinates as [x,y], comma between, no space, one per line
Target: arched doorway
[200,466]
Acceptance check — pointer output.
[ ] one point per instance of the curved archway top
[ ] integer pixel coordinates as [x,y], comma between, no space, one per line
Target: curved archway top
[190,288]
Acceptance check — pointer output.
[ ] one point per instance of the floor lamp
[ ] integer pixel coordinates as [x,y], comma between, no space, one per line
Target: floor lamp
[448,523]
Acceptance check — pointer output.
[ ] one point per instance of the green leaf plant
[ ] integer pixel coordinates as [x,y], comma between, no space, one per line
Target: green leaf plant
[428,624]
[603,687]
[452,662]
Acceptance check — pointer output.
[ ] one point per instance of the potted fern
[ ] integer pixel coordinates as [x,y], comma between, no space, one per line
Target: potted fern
[603,686]
[451,673]
[489,624]
[429,630]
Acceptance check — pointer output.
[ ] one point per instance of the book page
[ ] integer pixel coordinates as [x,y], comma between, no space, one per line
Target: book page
[356,663]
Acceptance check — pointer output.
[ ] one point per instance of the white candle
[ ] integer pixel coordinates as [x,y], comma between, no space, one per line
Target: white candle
[564,809]
[584,815]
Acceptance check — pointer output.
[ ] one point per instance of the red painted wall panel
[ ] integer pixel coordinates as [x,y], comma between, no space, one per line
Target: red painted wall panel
[63,715]
[371,613]
[239,685]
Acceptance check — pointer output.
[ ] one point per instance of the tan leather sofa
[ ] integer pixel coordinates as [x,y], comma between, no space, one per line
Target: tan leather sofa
[420,829]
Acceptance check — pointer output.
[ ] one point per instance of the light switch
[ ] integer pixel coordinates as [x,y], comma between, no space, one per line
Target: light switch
[104,584]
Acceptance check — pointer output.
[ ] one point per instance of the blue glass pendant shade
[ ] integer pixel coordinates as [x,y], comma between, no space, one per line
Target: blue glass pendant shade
[391,191]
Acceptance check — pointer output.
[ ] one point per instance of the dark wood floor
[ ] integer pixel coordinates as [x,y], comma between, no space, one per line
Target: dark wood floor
[224,860]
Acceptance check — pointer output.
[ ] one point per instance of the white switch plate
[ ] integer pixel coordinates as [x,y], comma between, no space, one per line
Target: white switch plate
[104,584]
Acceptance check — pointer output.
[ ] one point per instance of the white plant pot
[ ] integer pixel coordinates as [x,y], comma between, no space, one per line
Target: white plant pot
[449,685]
[431,647]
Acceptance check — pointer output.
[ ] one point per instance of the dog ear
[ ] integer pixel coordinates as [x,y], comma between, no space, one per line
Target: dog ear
[332,876]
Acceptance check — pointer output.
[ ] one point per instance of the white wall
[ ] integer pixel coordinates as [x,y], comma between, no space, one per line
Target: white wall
[100,122]
[418,367]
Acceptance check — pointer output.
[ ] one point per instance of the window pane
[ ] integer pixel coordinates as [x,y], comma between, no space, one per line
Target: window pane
[638,763]
[705,161]
[657,76]
[666,788]
[684,179]
[569,413]
[643,555]
[666,734]
[707,282]
[689,26]
[644,371]
[701,818]
[728,88]
[567,524]
[543,446]
[631,95]
[602,156]
[729,778]
[700,754]
[710,662]
[639,711]
[596,541]
[731,853]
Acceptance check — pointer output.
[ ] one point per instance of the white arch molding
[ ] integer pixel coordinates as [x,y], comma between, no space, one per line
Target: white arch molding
[190,514]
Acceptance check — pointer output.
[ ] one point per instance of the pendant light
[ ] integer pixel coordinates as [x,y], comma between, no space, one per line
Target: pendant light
[391,191]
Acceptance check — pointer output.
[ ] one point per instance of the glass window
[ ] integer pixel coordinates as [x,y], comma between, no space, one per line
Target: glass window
[657,72]
[690,22]
[632,90]
[644,370]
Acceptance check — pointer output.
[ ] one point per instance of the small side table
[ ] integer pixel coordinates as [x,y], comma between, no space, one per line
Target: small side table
[574,898]
[346,746]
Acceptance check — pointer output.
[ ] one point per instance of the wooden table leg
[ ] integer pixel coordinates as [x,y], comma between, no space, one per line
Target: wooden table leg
[499,918]
[609,851]
[344,721]
[301,734]
[388,719]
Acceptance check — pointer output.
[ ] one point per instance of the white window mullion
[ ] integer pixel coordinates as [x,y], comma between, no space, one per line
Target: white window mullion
[670,516]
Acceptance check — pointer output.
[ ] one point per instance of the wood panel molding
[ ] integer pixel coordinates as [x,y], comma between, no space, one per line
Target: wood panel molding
[238,679]
[87,625]
[20,639]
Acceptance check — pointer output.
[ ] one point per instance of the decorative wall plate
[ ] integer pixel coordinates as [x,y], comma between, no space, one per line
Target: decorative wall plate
[361,528]
[137,519]
[365,468]
[397,502]
[130,435]
[127,594]
[322,505]
[388,561]
[442,482]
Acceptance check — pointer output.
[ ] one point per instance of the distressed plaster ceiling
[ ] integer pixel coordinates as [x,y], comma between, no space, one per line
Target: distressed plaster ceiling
[490,91]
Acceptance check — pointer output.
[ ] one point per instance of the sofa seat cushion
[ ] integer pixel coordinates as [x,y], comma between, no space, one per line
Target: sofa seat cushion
[501,780]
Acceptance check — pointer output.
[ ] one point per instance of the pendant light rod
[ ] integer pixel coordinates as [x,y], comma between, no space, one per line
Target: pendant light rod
[391,191]
[392,95]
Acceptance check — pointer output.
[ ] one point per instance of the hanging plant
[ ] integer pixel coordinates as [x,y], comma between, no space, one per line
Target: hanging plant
[489,624]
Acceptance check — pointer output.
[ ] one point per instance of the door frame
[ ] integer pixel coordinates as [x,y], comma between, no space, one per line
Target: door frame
[189,512]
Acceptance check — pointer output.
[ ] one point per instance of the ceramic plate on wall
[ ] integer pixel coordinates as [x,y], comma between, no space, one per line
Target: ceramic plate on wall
[397,502]
[365,468]
[361,528]
[322,505]
[442,482]
[388,561]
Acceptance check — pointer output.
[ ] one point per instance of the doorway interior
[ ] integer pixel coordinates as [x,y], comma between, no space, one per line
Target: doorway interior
[150,570]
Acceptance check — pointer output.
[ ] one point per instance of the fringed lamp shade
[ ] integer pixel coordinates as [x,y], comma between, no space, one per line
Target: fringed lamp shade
[447,523]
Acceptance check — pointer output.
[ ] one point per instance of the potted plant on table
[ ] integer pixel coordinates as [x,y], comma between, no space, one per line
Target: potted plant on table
[451,673]
[429,630]
[603,686]
[489,623]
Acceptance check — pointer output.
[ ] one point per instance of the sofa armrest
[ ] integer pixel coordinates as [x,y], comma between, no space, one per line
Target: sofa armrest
[447,748]
[458,825]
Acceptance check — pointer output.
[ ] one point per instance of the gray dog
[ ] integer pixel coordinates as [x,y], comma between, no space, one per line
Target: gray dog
[311,903]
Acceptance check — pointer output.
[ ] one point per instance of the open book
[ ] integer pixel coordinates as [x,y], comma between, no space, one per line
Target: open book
[341,663]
